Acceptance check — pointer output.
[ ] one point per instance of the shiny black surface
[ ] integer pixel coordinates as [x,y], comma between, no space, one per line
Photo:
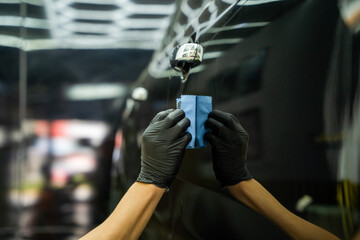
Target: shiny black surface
[275,80]
[71,125]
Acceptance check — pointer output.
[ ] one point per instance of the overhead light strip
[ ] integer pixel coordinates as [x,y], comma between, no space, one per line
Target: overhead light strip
[14,21]
[113,15]
[91,15]
[95,2]
[31,2]
[75,43]
[150,9]
[116,26]
[143,23]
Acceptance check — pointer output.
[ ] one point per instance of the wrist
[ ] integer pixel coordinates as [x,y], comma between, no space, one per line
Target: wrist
[242,190]
[148,177]
[233,181]
[151,188]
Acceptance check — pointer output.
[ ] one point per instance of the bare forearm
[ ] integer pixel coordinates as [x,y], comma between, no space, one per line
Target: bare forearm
[131,215]
[255,196]
[162,149]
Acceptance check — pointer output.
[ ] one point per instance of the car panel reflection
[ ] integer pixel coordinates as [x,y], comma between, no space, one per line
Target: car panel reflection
[81,80]
[274,80]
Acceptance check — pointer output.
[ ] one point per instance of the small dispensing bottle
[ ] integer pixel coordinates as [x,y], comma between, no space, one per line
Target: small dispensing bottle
[185,57]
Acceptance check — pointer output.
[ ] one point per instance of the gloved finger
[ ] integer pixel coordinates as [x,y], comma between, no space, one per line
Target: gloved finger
[225,118]
[215,126]
[180,127]
[210,138]
[172,118]
[213,140]
[161,115]
[181,143]
[185,140]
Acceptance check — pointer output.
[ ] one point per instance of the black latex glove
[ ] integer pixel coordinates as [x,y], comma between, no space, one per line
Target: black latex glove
[163,147]
[229,143]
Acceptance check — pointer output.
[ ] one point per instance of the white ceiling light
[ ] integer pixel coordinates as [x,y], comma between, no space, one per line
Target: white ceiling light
[95,91]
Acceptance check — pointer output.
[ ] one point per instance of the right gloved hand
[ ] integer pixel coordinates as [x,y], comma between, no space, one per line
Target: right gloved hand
[229,143]
[163,147]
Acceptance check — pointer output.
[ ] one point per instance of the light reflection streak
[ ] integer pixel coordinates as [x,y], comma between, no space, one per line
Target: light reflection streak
[221,42]
[256,2]
[211,55]
[99,2]
[237,26]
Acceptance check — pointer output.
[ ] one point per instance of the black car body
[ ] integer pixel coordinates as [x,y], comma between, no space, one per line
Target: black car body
[272,64]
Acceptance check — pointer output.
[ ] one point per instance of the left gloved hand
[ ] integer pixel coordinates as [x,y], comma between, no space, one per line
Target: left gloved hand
[163,147]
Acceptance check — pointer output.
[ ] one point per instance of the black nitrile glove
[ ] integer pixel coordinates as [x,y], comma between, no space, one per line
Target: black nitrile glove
[163,147]
[229,143]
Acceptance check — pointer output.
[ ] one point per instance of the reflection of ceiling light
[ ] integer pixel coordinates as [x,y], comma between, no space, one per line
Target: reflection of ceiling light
[237,26]
[221,41]
[95,91]
[210,55]
[140,94]
[100,2]
[256,2]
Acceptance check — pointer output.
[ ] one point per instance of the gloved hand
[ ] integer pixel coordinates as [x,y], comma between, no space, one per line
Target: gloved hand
[229,143]
[163,147]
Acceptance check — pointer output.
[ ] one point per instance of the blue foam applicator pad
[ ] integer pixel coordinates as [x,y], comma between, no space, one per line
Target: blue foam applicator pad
[197,109]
